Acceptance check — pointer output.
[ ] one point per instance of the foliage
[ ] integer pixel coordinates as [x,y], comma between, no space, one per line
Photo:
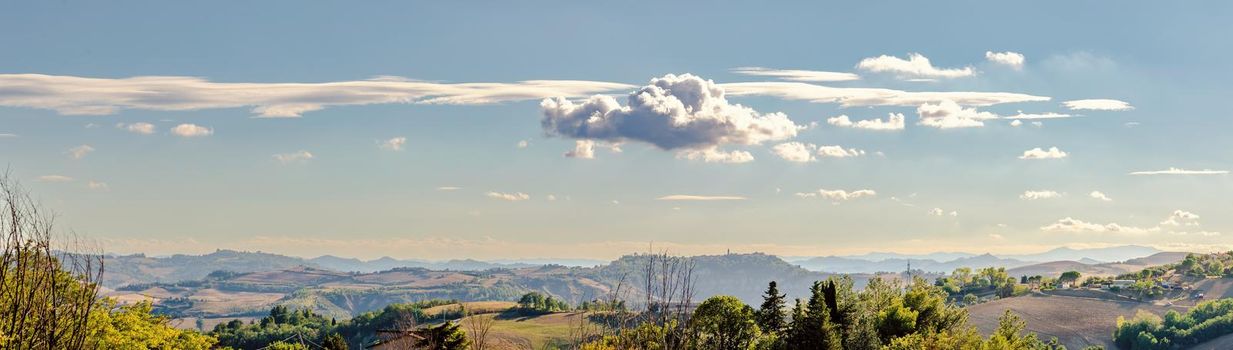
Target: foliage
[535,302]
[135,327]
[334,341]
[1069,276]
[47,296]
[963,281]
[724,323]
[446,336]
[1206,321]
[770,316]
[281,323]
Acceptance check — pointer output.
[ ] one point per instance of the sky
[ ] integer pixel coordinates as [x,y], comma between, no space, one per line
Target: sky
[498,130]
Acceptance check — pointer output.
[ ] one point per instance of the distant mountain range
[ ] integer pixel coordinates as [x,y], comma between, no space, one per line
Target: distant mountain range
[345,294]
[139,268]
[948,261]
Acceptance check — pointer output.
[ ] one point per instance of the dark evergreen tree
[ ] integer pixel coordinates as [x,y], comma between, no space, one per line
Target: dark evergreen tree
[447,336]
[812,328]
[334,341]
[771,317]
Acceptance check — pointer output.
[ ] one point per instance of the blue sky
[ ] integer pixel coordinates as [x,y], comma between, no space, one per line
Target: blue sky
[239,157]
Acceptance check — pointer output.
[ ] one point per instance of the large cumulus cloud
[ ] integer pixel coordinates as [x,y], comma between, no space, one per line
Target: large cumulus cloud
[673,112]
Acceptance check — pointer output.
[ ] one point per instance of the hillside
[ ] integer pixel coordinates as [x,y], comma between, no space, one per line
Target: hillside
[344,294]
[1076,321]
[142,269]
[138,268]
[1055,268]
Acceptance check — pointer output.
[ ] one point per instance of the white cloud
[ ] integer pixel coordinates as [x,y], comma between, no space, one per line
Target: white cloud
[837,195]
[806,152]
[1038,153]
[894,121]
[1098,105]
[296,157]
[7,135]
[1016,123]
[1131,124]
[584,149]
[1047,115]
[73,95]
[1180,171]
[1181,218]
[712,155]
[948,115]
[1043,194]
[97,186]
[916,66]
[838,152]
[191,130]
[524,143]
[796,75]
[80,151]
[54,178]
[859,97]
[673,112]
[139,128]
[794,152]
[448,188]
[1100,195]
[394,144]
[1008,58]
[996,236]
[940,212]
[1038,124]
[1074,225]
[686,197]
[513,197]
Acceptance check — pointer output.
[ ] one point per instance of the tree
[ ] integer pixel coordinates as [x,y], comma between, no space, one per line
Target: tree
[447,336]
[48,287]
[771,317]
[135,327]
[478,326]
[724,323]
[811,326]
[1069,276]
[334,341]
[970,299]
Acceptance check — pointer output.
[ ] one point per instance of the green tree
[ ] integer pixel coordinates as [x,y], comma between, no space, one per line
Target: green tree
[334,341]
[724,323]
[970,299]
[771,317]
[1069,276]
[135,327]
[811,326]
[446,336]
[282,345]
[47,293]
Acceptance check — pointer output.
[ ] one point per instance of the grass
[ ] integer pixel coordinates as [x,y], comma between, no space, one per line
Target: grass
[543,331]
[476,307]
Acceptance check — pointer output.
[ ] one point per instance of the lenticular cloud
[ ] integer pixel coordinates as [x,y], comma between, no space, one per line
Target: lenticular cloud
[672,112]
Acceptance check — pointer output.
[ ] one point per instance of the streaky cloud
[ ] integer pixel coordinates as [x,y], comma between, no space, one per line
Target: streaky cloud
[687,197]
[797,75]
[73,95]
[861,97]
[1180,171]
